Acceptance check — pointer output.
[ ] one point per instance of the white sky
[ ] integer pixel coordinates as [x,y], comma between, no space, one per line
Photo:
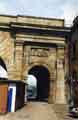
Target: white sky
[31,80]
[3,72]
[66,9]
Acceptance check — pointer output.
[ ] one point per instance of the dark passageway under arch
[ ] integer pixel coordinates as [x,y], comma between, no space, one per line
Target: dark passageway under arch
[42,75]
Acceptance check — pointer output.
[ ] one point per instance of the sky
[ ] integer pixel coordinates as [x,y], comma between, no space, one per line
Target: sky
[31,80]
[65,9]
[3,73]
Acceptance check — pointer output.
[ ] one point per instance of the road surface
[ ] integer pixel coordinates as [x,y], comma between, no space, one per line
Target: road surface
[38,111]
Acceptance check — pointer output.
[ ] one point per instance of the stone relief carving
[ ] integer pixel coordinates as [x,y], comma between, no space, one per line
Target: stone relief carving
[40,52]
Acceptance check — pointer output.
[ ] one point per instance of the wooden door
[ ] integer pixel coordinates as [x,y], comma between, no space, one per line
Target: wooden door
[3,97]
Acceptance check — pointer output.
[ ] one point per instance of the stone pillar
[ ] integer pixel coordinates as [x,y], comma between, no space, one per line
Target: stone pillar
[51,96]
[60,84]
[19,61]
[27,60]
[52,61]
[66,61]
[67,88]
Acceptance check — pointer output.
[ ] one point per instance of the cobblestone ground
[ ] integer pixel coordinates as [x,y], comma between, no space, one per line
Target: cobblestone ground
[39,111]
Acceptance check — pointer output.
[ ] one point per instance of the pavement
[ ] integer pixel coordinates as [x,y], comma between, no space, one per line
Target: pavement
[61,111]
[39,111]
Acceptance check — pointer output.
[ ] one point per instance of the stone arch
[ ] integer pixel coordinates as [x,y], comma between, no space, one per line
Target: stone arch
[40,64]
[43,82]
[52,86]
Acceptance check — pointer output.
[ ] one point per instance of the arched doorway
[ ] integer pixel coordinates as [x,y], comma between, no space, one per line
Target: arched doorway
[3,70]
[42,76]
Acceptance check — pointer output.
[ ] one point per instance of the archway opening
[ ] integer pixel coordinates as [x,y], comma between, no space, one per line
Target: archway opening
[31,87]
[3,70]
[42,76]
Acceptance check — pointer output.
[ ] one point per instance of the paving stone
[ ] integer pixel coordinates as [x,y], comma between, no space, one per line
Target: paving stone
[39,111]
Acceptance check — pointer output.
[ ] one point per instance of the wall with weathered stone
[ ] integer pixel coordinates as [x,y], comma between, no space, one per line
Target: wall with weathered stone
[7,51]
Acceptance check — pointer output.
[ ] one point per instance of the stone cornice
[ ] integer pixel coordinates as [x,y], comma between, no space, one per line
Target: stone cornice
[41,43]
[34,29]
[40,30]
[33,25]
[5,26]
[31,19]
[42,27]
